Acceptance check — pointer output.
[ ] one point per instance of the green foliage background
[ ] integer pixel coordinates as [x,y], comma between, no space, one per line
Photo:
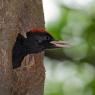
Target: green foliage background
[78,28]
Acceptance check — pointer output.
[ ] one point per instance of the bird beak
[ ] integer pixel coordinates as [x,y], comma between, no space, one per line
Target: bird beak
[60,44]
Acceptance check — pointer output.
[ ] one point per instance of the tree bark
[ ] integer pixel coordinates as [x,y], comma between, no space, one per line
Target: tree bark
[19,16]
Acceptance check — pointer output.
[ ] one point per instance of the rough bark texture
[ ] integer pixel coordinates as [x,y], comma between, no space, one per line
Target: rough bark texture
[18,16]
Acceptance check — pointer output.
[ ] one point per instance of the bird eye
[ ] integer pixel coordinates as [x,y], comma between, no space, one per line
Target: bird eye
[47,38]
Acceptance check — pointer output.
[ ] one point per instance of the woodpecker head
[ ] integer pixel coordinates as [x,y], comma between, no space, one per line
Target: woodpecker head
[38,41]
[35,41]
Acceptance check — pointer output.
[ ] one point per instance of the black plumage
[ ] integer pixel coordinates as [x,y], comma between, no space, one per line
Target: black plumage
[34,42]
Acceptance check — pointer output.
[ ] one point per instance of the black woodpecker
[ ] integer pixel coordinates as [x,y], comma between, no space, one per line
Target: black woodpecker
[35,42]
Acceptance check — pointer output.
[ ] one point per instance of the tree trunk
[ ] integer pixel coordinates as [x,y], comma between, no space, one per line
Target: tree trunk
[19,16]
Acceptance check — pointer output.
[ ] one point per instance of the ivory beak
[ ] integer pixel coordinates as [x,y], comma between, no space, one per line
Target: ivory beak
[61,43]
